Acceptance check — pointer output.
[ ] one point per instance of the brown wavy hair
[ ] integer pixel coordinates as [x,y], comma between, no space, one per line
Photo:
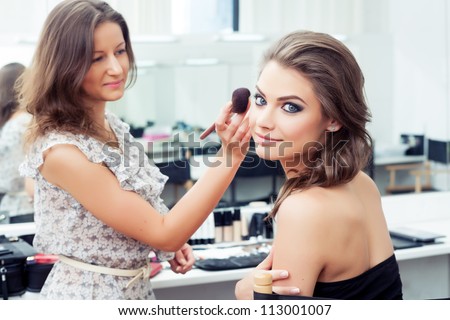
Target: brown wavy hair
[51,88]
[338,83]
[8,97]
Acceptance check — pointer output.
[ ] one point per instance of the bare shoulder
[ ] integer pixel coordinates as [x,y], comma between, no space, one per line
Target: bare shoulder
[65,162]
[363,179]
[308,206]
[303,217]
[366,186]
[62,153]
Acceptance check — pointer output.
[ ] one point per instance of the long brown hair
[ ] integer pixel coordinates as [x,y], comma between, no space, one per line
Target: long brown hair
[8,97]
[339,85]
[51,88]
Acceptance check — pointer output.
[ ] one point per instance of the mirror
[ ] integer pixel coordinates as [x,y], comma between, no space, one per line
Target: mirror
[192,54]
[387,38]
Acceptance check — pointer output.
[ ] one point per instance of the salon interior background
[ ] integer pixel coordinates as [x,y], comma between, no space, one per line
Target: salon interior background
[192,53]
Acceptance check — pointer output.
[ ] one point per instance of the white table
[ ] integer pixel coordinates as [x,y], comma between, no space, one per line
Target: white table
[425,271]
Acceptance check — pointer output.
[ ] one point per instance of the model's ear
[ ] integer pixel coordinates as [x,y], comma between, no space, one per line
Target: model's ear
[334,125]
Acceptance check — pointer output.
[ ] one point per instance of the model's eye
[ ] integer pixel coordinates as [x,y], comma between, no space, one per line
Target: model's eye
[97,59]
[259,100]
[291,107]
[121,51]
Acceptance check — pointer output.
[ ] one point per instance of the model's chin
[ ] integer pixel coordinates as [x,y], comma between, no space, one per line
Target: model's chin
[266,152]
[275,153]
[115,97]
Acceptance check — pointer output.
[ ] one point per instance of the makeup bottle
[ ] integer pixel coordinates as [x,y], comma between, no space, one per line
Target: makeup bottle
[210,229]
[257,225]
[237,225]
[227,226]
[203,234]
[262,282]
[244,227]
[218,223]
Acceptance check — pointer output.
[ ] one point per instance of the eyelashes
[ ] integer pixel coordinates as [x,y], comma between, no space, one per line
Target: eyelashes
[292,107]
[289,107]
[259,100]
[117,53]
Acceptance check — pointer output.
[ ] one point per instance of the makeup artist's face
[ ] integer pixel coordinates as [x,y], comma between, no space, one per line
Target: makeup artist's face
[106,78]
[285,115]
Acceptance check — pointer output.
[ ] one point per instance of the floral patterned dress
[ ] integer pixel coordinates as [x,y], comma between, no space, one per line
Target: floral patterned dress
[65,227]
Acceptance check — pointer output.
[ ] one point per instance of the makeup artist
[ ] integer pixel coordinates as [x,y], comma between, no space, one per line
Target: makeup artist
[103,214]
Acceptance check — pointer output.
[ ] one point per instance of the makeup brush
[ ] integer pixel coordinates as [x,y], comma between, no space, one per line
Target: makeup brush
[239,102]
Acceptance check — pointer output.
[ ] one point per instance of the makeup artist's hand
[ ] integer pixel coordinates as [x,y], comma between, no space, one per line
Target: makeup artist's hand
[234,132]
[183,261]
[244,287]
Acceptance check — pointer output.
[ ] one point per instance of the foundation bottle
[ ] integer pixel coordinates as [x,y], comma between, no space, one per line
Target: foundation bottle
[244,227]
[237,225]
[227,226]
[218,227]
[262,282]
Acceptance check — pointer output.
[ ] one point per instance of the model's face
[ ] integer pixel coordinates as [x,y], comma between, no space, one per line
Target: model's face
[106,78]
[286,116]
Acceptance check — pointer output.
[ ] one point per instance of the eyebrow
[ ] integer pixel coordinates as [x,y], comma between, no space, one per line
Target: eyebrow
[122,43]
[284,98]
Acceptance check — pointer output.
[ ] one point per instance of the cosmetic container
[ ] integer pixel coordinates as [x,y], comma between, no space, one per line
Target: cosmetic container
[218,229]
[262,282]
[244,227]
[237,225]
[257,225]
[227,226]
[210,229]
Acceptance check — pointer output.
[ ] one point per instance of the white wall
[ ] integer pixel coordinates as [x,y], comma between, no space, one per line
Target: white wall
[363,24]
[420,57]
[402,47]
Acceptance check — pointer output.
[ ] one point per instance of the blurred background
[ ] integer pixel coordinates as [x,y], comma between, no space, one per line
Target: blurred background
[191,55]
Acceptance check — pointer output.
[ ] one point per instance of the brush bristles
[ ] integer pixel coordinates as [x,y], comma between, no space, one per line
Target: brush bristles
[240,100]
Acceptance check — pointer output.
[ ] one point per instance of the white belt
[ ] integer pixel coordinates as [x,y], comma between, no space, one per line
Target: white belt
[143,272]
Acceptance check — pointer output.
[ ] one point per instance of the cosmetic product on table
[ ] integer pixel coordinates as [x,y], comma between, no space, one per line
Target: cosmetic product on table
[218,222]
[237,225]
[227,226]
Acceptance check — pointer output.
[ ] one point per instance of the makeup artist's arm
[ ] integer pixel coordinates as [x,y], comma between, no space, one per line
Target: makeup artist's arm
[244,287]
[97,189]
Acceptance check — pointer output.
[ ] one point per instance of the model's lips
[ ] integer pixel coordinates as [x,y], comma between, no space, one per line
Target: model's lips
[114,84]
[265,139]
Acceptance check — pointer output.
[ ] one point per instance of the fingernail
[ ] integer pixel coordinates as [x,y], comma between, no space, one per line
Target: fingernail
[295,291]
[284,274]
[183,262]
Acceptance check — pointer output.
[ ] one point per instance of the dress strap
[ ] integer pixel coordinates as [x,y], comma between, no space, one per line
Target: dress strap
[143,272]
